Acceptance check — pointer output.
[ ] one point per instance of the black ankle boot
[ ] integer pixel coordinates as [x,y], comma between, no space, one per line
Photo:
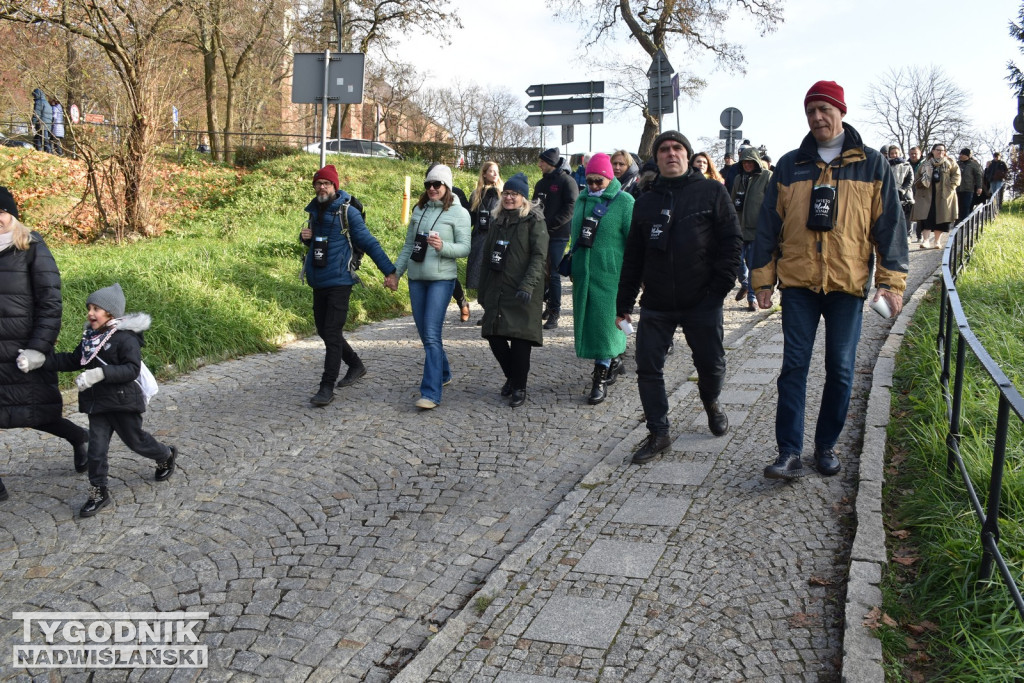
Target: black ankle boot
[598,390]
[98,499]
[617,367]
[718,421]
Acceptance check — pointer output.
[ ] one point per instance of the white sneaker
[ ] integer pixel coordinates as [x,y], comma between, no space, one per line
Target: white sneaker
[425,403]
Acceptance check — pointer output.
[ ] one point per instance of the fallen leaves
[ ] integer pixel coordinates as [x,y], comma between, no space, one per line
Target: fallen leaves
[877,618]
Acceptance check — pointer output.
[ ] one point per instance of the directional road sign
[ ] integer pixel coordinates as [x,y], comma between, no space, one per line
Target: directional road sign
[732,134]
[563,89]
[565,119]
[570,104]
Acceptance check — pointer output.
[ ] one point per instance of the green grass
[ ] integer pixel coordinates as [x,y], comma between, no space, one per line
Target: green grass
[222,280]
[973,632]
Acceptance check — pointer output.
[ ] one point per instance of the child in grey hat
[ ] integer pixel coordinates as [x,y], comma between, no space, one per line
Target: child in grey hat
[108,391]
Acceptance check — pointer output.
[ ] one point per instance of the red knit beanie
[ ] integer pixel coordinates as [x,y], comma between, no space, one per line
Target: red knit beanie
[600,164]
[328,172]
[827,91]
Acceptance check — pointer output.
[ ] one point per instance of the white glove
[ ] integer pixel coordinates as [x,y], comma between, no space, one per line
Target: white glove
[29,360]
[88,378]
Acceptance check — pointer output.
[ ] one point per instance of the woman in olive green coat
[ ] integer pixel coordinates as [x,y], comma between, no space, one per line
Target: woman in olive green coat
[511,287]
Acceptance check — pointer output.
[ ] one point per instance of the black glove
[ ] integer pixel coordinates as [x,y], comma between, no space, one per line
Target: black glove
[524,296]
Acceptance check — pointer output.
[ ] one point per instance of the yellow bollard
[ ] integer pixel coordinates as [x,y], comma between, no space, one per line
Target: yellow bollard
[405,200]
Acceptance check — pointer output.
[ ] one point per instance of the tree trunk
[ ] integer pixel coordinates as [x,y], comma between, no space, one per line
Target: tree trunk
[210,89]
[650,132]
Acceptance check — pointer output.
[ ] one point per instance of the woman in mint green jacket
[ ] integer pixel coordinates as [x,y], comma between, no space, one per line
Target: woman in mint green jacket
[438,234]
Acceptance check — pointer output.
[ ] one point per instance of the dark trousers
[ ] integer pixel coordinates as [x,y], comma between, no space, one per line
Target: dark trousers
[513,356]
[128,427]
[702,327]
[64,428]
[965,202]
[330,311]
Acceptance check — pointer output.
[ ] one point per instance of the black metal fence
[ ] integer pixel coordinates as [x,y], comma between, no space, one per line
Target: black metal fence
[956,256]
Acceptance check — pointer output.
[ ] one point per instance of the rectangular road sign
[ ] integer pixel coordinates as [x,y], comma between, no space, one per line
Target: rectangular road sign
[666,94]
[568,134]
[569,104]
[582,117]
[734,134]
[344,79]
[563,89]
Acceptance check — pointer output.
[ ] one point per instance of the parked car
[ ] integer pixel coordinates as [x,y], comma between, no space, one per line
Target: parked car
[355,148]
[14,142]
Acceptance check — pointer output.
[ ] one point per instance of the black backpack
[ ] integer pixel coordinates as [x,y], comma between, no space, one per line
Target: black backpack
[357,253]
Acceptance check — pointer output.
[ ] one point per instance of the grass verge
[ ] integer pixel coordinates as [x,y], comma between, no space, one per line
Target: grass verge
[941,623]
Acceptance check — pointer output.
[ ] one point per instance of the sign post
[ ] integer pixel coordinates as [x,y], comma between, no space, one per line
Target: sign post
[587,109]
[660,94]
[731,119]
[322,78]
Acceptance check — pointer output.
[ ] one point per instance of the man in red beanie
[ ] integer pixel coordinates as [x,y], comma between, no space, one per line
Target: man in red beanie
[334,227]
[830,212]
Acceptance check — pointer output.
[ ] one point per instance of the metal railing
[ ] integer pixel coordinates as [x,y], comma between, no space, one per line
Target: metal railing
[955,257]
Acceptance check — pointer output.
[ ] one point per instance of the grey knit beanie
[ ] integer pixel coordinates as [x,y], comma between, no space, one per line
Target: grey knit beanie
[442,173]
[110,299]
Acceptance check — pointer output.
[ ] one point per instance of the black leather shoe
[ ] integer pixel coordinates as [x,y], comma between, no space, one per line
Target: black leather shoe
[552,322]
[354,374]
[3,491]
[506,389]
[323,397]
[650,447]
[718,421]
[518,398]
[98,499]
[786,466]
[81,457]
[165,469]
[742,293]
[825,461]
[618,367]
[751,306]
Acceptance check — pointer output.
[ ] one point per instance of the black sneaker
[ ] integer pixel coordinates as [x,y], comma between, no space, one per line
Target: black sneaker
[718,421]
[353,375]
[506,389]
[165,469]
[324,396]
[786,466]
[81,457]
[650,447]
[826,462]
[98,499]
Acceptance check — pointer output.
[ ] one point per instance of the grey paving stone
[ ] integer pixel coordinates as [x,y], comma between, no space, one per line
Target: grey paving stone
[578,621]
[620,558]
[678,473]
[653,511]
[505,677]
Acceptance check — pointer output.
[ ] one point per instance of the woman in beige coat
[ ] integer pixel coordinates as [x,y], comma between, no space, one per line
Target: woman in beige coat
[935,204]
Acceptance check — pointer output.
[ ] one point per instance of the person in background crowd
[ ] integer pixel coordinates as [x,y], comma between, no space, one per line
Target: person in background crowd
[458,294]
[556,191]
[42,121]
[648,174]
[684,248]
[30,317]
[438,234]
[747,196]
[995,176]
[328,270]
[482,202]
[729,170]
[512,284]
[204,144]
[903,176]
[914,159]
[580,174]
[767,161]
[831,212]
[627,171]
[972,183]
[935,204]
[599,229]
[57,129]
[703,163]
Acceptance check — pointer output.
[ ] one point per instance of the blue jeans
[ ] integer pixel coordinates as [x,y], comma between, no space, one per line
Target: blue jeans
[553,295]
[429,299]
[746,260]
[801,310]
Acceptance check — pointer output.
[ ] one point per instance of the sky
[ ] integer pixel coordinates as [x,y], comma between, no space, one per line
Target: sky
[851,42]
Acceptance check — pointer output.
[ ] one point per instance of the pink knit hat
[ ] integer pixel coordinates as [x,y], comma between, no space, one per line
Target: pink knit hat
[600,164]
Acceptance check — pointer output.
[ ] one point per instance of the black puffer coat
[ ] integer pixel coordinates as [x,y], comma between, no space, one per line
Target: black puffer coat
[30,310]
[121,360]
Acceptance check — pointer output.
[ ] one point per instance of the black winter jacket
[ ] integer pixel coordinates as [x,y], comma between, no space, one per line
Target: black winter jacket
[557,192]
[30,310]
[683,260]
[121,360]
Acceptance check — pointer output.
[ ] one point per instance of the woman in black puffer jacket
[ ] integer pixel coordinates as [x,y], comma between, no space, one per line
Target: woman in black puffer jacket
[30,311]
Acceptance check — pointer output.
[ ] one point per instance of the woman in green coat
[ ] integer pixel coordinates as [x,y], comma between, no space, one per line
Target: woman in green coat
[598,246]
[511,287]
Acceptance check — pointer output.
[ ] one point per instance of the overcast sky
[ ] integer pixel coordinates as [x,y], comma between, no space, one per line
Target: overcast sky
[851,42]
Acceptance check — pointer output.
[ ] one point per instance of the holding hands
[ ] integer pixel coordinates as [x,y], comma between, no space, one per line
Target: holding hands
[29,360]
[88,378]
[391,282]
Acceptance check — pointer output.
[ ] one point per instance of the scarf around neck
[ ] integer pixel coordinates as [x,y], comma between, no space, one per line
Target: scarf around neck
[93,340]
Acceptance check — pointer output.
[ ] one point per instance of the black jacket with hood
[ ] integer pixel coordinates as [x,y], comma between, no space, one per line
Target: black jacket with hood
[557,191]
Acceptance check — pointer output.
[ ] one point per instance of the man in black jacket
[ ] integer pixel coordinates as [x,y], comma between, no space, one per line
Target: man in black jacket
[557,191]
[684,248]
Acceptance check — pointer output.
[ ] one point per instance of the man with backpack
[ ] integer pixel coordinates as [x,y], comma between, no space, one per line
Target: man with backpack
[337,236]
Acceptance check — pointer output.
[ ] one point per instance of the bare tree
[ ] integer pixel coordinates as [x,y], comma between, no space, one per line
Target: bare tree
[920,106]
[698,24]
